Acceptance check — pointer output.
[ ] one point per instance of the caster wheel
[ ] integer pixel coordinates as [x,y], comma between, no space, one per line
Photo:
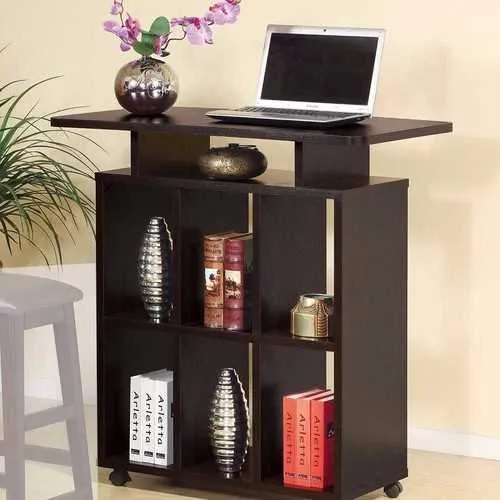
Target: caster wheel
[393,490]
[119,477]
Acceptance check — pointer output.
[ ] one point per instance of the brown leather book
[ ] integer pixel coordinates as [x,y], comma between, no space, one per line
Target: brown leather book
[237,278]
[213,251]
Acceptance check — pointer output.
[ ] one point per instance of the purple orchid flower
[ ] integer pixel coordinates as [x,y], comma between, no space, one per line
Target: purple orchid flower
[224,12]
[159,42]
[116,28]
[117,8]
[133,27]
[128,34]
[112,26]
[197,29]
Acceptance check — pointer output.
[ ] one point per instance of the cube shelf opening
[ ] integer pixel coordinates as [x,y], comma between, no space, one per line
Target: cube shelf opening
[132,345]
[201,361]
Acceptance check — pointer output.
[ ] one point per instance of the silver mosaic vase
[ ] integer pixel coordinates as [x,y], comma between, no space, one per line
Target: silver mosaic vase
[146,86]
[154,270]
[228,424]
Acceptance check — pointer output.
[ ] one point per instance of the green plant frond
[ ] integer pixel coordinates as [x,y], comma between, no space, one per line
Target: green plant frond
[5,100]
[9,84]
[9,234]
[15,128]
[59,130]
[39,214]
[80,158]
[23,94]
[17,203]
[33,243]
[45,225]
[35,139]
[65,184]
[28,119]
[15,102]
[44,170]
[55,199]
[42,176]
[61,216]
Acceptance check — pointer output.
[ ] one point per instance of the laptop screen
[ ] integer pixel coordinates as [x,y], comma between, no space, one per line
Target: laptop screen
[319,68]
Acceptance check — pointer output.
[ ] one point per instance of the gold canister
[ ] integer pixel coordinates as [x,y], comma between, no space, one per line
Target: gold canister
[312,316]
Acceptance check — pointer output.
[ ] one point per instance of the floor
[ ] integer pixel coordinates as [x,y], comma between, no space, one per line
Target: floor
[432,476]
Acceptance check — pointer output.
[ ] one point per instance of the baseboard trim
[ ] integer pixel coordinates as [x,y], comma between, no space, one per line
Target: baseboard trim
[454,443]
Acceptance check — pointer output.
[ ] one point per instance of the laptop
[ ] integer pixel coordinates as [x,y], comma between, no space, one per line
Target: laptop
[313,76]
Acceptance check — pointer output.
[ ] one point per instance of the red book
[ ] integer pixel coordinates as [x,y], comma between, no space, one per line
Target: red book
[289,433]
[322,442]
[213,256]
[303,439]
[237,273]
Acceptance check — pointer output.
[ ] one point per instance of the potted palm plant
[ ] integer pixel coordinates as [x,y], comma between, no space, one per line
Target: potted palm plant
[41,193]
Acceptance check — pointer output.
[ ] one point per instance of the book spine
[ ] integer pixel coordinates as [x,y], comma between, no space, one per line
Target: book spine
[322,444]
[161,422]
[147,422]
[170,421]
[288,441]
[329,443]
[213,252]
[303,443]
[135,437]
[237,266]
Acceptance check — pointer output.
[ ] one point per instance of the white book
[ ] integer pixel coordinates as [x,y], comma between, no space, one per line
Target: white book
[147,419]
[170,421]
[135,438]
[163,418]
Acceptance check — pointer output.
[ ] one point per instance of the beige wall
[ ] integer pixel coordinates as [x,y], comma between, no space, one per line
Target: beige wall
[441,61]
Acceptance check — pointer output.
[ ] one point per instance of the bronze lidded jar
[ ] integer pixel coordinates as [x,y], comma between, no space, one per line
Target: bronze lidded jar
[312,316]
[233,162]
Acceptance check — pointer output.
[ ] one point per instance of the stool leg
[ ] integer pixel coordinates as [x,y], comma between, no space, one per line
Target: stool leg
[12,360]
[71,385]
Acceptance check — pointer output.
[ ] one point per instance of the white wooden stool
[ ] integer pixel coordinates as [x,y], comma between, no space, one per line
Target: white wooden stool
[28,302]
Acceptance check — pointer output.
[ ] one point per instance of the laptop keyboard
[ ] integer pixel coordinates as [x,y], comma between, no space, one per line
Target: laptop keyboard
[297,112]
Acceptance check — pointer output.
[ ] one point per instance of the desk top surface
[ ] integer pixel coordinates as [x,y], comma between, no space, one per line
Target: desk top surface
[192,121]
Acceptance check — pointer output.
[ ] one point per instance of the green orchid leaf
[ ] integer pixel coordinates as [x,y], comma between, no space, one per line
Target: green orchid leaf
[143,48]
[160,26]
[148,39]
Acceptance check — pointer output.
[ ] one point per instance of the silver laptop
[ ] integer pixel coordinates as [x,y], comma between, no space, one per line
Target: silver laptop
[314,76]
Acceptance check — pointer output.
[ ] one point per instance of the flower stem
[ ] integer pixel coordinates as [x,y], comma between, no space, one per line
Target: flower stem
[174,38]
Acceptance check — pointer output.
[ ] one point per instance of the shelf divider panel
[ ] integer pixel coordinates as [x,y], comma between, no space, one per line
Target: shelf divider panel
[370,356]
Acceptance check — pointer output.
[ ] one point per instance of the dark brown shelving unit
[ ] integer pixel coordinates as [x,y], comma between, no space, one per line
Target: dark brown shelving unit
[288,214]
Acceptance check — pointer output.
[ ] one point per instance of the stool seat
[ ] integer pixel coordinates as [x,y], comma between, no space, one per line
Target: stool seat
[29,293]
[27,302]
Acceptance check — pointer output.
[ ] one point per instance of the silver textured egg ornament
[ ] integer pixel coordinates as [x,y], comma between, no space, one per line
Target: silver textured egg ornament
[228,424]
[154,270]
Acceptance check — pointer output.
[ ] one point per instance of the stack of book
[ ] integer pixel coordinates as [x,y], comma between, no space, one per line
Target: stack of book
[151,438]
[227,263]
[308,439]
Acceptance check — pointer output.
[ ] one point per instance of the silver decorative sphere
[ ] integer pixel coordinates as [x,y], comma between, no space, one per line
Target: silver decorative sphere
[146,86]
